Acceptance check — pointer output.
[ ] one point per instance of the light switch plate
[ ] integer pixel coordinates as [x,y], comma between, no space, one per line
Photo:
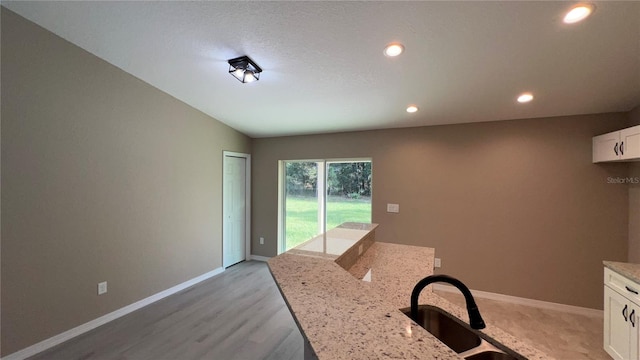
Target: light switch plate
[102,288]
[393,208]
[437,263]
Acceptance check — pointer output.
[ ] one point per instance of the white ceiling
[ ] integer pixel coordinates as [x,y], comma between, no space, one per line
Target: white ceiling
[324,70]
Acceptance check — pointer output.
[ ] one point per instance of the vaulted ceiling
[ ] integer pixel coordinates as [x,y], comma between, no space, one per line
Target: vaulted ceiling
[324,68]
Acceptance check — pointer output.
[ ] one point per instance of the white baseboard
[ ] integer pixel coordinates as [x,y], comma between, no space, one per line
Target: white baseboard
[524,301]
[78,330]
[260,258]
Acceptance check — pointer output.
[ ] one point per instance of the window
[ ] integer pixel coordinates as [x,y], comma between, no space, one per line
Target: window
[317,195]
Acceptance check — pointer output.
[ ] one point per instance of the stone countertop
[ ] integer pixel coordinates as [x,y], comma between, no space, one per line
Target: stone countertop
[390,275]
[336,242]
[628,270]
[343,317]
[394,280]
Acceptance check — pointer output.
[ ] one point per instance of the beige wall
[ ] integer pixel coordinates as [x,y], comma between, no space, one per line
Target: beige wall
[512,207]
[634,199]
[103,178]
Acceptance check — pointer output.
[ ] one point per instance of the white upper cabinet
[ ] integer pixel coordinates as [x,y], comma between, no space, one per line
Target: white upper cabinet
[605,147]
[617,146]
[630,143]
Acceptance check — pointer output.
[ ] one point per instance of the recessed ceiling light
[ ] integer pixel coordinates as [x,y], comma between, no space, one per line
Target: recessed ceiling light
[578,13]
[412,109]
[525,98]
[394,49]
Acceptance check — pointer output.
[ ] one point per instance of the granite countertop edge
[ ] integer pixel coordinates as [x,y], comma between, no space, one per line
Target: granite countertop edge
[628,270]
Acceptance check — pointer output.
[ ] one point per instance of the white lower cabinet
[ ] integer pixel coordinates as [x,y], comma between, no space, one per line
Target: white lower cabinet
[620,326]
[621,317]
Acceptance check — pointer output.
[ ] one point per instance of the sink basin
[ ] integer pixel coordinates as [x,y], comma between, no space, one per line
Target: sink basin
[451,331]
[491,355]
[457,335]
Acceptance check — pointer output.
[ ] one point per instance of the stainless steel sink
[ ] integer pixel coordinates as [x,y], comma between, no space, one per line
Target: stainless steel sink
[491,355]
[450,331]
[453,332]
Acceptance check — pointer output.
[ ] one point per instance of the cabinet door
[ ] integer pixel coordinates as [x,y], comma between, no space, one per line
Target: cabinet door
[606,147]
[617,331]
[634,333]
[630,143]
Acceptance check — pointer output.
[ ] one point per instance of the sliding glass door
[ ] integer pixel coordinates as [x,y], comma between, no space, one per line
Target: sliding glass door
[303,213]
[348,192]
[317,195]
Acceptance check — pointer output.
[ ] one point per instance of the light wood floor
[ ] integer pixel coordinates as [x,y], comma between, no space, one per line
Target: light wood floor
[238,314]
[241,315]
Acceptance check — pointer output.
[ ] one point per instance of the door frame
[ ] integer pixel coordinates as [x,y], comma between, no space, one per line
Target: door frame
[247,205]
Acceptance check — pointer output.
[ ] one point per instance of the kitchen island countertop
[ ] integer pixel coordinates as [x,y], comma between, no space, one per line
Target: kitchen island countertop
[343,317]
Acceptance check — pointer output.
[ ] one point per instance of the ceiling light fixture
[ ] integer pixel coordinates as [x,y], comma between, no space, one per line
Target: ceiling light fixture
[412,108]
[525,98]
[244,69]
[578,13]
[393,50]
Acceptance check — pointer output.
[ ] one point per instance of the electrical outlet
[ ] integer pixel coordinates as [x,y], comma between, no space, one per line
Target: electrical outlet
[437,263]
[360,249]
[261,241]
[102,288]
[393,208]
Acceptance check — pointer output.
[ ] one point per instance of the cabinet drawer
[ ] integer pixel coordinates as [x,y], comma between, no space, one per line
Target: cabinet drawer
[623,285]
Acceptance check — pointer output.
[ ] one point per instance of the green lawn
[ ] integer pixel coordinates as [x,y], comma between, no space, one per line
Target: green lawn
[302,216]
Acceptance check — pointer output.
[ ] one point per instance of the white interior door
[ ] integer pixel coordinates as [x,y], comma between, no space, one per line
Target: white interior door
[234,210]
